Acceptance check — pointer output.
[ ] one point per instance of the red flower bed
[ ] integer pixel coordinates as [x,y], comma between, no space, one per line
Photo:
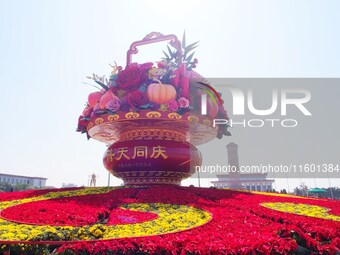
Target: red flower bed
[9,196]
[77,211]
[239,224]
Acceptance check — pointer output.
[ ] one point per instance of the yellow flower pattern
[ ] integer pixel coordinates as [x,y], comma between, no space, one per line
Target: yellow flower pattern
[303,209]
[171,218]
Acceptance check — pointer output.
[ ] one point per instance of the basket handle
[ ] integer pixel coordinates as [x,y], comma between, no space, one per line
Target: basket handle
[153,37]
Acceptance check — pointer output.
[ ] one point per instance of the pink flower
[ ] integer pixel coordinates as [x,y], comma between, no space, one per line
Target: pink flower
[183,102]
[136,98]
[113,105]
[131,78]
[173,105]
[161,64]
[146,66]
[87,111]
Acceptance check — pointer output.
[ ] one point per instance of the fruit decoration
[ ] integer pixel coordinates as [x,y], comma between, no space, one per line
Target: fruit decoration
[168,85]
[150,115]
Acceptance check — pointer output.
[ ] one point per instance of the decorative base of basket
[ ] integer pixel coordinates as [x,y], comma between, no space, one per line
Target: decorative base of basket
[151,147]
[143,180]
[152,162]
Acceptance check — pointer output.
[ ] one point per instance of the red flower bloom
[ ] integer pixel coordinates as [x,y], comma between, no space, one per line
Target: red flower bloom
[173,105]
[131,78]
[82,124]
[146,65]
[87,111]
[136,98]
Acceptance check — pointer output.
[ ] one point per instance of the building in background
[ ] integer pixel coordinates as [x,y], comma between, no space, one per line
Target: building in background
[69,185]
[237,180]
[37,182]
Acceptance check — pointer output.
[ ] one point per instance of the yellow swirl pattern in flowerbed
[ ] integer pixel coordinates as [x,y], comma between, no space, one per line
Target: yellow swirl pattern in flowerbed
[303,209]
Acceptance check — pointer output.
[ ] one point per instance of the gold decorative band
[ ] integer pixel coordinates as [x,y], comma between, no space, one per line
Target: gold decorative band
[193,118]
[99,121]
[153,133]
[153,114]
[174,115]
[132,115]
[113,117]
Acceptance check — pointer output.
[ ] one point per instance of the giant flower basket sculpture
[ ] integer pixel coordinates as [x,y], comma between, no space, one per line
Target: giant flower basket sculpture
[150,115]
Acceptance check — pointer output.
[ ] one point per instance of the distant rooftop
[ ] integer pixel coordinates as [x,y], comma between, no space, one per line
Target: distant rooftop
[23,176]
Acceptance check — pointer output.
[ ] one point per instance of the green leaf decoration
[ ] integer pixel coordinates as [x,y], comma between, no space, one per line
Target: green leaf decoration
[209,93]
[88,136]
[100,112]
[224,130]
[170,52]
[191,46]
[188,60]
[102,85]
[166,55]
[142,88]
[145,106]
[182,111]
[186,54]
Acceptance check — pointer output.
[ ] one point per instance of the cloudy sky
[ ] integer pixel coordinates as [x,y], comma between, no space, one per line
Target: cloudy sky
[48,47]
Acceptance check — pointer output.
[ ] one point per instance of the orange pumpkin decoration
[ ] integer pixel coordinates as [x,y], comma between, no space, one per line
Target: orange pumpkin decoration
[160,93]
